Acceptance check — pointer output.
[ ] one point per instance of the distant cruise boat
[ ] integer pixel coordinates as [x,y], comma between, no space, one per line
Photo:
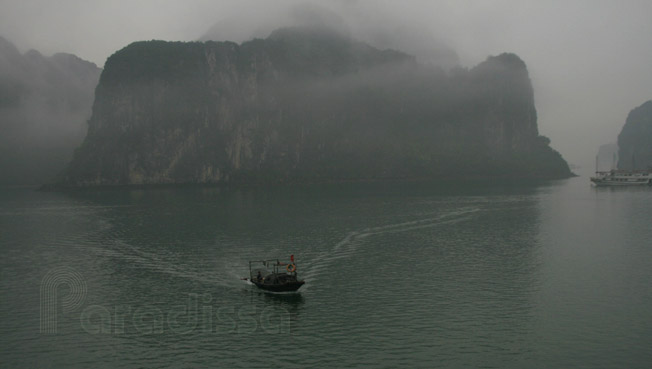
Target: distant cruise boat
[623,178]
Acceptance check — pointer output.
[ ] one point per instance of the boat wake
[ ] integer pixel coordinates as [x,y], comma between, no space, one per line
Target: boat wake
[352,241]
[154,262]
[111,245]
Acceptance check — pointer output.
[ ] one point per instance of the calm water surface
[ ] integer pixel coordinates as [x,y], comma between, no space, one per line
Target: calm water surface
[553,275]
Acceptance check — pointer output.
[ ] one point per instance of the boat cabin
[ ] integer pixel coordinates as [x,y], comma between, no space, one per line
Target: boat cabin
[274,275]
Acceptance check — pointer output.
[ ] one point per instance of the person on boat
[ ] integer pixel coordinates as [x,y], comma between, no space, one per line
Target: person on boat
[259,277]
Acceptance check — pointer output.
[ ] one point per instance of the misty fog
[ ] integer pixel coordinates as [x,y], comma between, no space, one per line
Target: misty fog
[589,60]
[44,105]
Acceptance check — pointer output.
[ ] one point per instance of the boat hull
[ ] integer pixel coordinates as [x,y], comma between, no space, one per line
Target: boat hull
[284,287]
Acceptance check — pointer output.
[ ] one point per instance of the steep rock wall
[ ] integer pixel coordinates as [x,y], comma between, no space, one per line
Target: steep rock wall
[635,139]
[305,106]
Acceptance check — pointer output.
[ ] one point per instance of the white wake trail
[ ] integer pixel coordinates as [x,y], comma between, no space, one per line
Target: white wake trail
[349,244]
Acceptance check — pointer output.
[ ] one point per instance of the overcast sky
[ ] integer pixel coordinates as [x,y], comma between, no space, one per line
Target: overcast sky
[590,61]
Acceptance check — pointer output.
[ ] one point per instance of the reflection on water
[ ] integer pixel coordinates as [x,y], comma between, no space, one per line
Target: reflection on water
[399,274]
[291,305]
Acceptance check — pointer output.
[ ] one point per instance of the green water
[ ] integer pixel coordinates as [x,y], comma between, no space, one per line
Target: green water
[554,275]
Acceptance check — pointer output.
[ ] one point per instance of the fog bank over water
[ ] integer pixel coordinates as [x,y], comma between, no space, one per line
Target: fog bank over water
[589,60]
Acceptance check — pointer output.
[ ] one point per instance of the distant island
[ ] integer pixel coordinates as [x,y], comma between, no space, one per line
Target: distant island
[635,139]
[607,157]
[45,102]
[306,105]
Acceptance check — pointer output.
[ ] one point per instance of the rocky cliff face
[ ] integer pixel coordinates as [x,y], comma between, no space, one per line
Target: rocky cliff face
[305,105]
[44,105]
[635,139]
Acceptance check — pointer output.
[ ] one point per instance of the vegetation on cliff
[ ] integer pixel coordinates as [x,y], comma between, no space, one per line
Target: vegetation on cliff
[635,139]
[306,105]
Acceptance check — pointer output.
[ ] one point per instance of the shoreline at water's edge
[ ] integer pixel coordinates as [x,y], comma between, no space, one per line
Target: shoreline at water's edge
[58,187]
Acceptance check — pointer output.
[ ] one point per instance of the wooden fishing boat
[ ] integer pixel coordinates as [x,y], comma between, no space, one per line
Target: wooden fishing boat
[274,275]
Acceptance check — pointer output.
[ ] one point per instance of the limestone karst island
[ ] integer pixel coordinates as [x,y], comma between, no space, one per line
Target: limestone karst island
[306,105]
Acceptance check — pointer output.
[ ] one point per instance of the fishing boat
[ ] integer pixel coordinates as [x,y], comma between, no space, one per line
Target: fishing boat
[274,276]
[623,178]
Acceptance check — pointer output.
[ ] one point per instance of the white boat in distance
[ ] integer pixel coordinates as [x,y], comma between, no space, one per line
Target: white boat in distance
[623,178]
